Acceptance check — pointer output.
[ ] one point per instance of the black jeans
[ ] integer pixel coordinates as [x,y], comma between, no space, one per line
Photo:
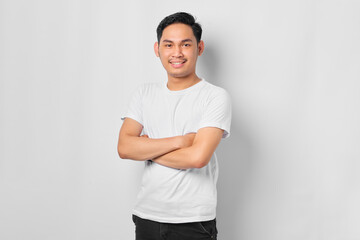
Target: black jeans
[150,230]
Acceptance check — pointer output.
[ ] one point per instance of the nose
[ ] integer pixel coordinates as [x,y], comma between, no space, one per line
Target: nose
[177,52]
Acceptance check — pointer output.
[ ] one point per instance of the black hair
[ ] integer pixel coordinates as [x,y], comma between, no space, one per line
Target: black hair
[180,17]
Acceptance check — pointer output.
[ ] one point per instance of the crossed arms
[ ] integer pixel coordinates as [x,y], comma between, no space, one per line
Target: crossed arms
[181,152]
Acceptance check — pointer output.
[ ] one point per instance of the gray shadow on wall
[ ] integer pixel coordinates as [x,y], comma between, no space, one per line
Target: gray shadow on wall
[208,65]
[234,155]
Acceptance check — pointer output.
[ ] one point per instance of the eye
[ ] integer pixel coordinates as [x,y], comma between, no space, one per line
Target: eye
[167,45]
[187,45]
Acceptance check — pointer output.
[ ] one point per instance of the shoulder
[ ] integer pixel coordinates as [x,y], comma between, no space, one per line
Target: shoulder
[215,92]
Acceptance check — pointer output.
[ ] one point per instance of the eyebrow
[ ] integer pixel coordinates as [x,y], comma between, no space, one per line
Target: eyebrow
[185,40]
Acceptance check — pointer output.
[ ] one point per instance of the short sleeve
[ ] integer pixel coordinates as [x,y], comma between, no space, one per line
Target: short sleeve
[217,112]
[134,110]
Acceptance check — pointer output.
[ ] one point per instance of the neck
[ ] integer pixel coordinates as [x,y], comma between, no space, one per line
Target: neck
[177,84]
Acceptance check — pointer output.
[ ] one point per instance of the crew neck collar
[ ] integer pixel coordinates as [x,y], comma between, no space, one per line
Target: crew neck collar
[186,90]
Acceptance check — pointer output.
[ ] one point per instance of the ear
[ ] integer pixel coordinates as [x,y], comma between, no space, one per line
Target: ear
[201,47]
[156,49]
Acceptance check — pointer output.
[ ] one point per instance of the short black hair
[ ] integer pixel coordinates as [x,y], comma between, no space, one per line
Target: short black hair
[180,17]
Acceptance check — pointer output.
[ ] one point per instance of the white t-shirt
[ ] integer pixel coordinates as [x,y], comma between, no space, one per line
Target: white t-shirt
[174,195]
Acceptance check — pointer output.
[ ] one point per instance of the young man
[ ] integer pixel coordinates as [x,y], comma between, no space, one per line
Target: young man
[175,128]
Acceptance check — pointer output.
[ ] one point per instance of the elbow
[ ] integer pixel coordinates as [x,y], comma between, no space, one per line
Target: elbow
[122,153]
[125,153]
[199,158]
[200,162]
[122,156]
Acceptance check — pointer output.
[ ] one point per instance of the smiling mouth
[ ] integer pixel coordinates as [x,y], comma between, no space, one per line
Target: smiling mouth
[177,64]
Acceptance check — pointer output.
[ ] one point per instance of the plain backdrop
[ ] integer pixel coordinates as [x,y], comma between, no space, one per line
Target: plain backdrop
[290,169]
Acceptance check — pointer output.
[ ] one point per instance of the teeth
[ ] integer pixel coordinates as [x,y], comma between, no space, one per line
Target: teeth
[177,63]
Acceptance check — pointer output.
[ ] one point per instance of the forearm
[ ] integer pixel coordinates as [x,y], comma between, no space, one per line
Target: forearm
[197,155]
[184,158]
[142,148]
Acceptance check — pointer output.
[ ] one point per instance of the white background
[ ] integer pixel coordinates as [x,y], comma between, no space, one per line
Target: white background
[290,169]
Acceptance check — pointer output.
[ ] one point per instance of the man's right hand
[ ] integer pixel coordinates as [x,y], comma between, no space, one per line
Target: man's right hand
[187,140]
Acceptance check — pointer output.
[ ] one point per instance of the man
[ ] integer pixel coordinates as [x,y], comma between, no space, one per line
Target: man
[175,128]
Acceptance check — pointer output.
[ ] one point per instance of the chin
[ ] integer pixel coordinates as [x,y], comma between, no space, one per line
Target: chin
[178,75]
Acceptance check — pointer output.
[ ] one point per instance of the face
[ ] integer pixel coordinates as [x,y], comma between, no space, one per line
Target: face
[178,50]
